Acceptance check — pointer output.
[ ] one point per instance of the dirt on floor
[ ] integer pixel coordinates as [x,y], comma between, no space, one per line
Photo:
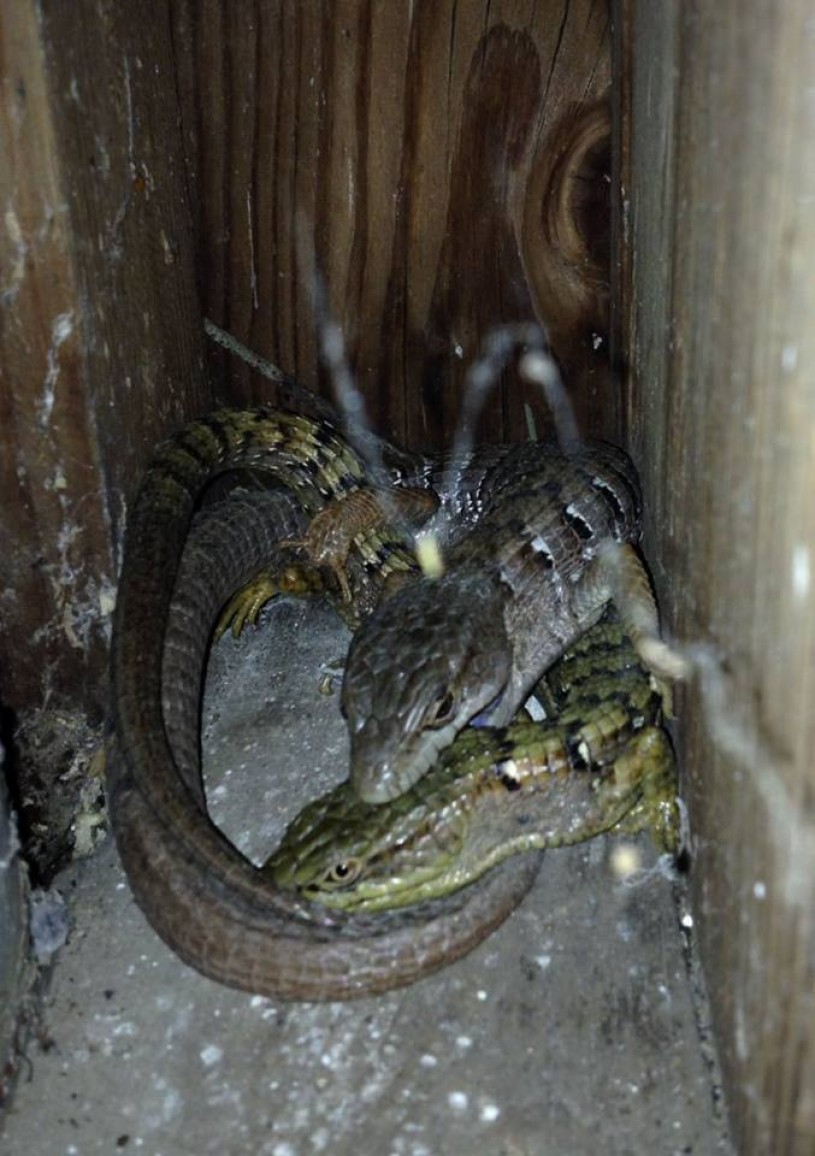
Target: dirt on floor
[579,1027]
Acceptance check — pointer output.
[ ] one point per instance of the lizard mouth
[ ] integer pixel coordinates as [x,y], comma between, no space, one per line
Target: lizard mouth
[483,718]
[381,782]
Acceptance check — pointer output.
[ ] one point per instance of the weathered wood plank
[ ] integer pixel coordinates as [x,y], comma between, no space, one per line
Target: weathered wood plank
[421,146]
[56,566]
[721,180]
[101,348]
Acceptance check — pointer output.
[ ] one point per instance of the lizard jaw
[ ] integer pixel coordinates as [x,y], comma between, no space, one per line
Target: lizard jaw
[392,776]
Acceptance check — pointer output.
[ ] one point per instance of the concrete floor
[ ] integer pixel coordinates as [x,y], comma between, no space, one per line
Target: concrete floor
[572,1030]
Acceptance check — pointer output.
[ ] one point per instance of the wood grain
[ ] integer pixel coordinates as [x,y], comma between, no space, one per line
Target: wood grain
[718,164]
[100,347]
[422,147]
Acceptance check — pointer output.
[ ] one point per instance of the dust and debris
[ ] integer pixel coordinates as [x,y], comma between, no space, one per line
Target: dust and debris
[17,264]
[48,923]
[167,248]
[83,602]
[62,328]
[624,930]
[90,825]
[106,600]
[211,1054]
[524,1050]
[61,805]
[58,481]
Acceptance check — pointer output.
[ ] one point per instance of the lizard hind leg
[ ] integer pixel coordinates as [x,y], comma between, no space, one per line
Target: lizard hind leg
[630,588]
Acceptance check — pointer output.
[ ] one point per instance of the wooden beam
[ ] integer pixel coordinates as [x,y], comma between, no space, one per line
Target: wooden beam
[101,346]
[720,211]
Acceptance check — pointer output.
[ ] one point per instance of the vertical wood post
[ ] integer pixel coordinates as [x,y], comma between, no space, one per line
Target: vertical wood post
[718,294]
[100,344]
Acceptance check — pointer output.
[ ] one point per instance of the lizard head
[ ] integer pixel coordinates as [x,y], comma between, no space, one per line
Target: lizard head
[358,857]
[427,662]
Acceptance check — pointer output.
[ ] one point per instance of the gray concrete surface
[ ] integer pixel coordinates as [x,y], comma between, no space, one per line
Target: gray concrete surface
[572,1030]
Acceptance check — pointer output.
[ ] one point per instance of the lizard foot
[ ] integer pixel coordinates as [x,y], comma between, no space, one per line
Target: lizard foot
[245,606]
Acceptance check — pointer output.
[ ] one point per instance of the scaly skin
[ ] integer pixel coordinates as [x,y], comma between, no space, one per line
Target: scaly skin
[214,909]
[534,574]
[602,762]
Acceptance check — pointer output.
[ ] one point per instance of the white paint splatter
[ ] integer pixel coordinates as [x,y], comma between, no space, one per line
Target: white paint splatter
[458,1101]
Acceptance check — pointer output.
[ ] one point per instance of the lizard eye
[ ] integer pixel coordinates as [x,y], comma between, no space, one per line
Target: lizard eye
[343,873]
[442,710]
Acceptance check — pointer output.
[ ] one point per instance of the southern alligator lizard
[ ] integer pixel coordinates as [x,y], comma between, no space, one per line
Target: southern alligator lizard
[214,908]
[552,546]
[603,763]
